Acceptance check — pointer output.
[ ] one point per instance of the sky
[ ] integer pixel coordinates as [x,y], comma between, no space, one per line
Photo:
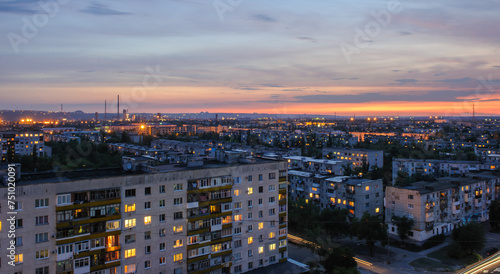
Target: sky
[283,57]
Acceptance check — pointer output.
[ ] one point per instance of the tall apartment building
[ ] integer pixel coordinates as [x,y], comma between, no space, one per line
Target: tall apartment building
[375,158]
[322,166]
[342,192]
[438,168]
[439,207]
[20,143]
[218,218]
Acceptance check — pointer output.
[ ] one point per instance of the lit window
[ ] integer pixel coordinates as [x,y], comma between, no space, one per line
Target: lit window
[261,225]
[250,190]
[272,247]
[250,240]
[129,223]
[130,253]
[130,208]
[178,243]
[261,249]
[177,257]
[18,258]
[178,229]
[147,220]
[236,192]
[272,235]
[367,188]
[377,210]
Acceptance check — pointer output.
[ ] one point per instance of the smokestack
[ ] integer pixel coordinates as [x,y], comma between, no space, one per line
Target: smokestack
[118,109]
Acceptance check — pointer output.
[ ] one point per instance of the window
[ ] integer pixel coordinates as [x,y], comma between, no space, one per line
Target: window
[162,203]
[130,208]
[147,191]
[82,262]
[147,235]
[162,246]
[367,196]
[178,229]
[147,220]
[178,243]
[261,214]
[260,201]
[41,203]
[236,192]
[250,240]
[272,187]
[42,270]
[82,246]
[272,235]
[177,187]
[129,238]
[19,223]
[272,223]
[250,190]
[260,177]
[282,243]
[250,215]
[272,259]
[249,228]
[42,220]
[18,206]
[410,205]
[177,215]
[237,230]
[261,249]
[250,203]
[177,257]
[161,189]
[130,192]
[237,269]
[410,197]
[161,218]
[19,241]
[41,237]
[130,253]
[272,200]
[261,226]
[147,264]
[272,175]
[162,232]
[112,225]
[237,205]
[129,223]
[272,247]
[237,243]
[177,201]
[163,260]
[272,211]
[237,256]
[147,205]
[130,268]
[377,210]
[261,189]
[250,252]
[250,265]
[64,199]
[250,178]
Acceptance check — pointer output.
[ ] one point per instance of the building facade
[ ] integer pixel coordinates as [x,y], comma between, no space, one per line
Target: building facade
[218,218]
[21,143]
[439,207]
[374,158]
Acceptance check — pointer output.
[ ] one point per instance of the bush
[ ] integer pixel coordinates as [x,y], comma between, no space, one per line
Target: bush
[434,241]
[456,251]
[474,258]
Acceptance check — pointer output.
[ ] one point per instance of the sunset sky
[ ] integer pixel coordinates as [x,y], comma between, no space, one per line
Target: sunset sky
[403,57]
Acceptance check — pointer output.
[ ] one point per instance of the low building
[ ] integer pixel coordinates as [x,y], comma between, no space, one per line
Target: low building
[374,158]
[440,206]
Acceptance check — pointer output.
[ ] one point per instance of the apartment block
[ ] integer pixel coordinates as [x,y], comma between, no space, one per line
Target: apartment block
[438,168]
[440,206]
[322,166]
[375,158]
[342,192]
[20,143]
[217,218]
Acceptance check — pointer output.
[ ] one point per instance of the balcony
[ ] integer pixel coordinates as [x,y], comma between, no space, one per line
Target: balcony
[466,198]
[478,203]
[429,226]
[429,217]
[192,205]
[455,209]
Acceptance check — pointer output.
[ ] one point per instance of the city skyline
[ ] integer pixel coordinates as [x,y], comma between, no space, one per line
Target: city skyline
[421,58]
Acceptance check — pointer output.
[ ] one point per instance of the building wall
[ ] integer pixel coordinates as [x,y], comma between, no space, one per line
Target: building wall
[28,194]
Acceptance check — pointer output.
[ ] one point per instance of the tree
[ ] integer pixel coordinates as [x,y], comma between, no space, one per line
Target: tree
[347,169]
[371,229]
[340,260]
[470,237]
[404,225]
[495,214]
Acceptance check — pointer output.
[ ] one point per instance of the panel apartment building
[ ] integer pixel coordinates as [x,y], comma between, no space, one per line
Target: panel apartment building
[375,158]
[218,218]
[342,192]
[440,206]
[20,143]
